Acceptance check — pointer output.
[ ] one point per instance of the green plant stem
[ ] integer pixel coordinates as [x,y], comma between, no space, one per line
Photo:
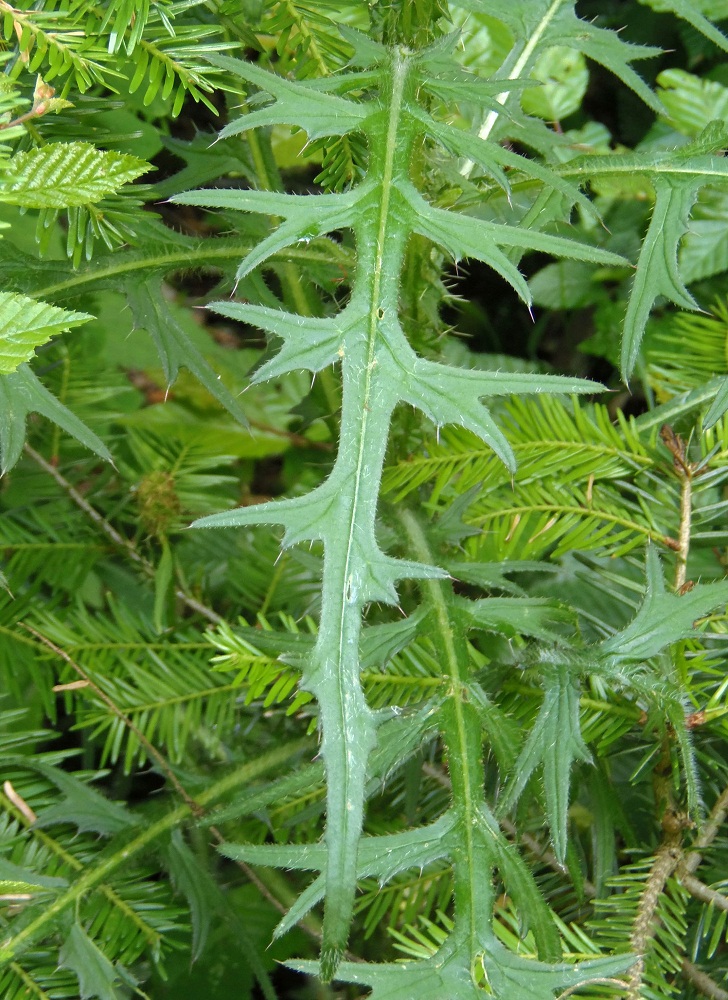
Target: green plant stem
[94,876]
[686,507]
[669,855]
[461,735]
[517,65]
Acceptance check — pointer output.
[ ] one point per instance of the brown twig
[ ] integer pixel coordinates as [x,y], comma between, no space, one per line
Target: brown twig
[699,890]
[702,982]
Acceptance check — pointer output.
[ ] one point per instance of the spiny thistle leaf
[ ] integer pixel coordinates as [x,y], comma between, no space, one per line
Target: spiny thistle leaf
[97,977]
[554,742]
[22,393]
[663,618]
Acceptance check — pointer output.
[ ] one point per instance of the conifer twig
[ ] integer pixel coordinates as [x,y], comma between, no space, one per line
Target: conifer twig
[703,982]
[114,536]
[703,892]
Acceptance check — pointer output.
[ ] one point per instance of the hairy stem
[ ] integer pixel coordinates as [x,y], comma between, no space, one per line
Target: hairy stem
[473,873]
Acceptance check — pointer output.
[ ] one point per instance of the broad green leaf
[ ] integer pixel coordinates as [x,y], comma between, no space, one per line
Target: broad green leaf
[22,393]
[663,618]
[63,175]
[26,324]
[564,77]
[692,102]
[704,248]
[555,743]
[97,977]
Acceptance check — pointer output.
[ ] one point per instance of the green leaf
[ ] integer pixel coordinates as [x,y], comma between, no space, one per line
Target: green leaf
[718,406]
[193,880]
[663,618]
[512,616]
[81,804]
[174,345]
[522,888]
[96,975]
[692,102]
[555,743]
[564,77]
[22,393]
[26,324]
[63,175]
[657,268]
[297,103]
[463,236]
[690,12]
[449,974]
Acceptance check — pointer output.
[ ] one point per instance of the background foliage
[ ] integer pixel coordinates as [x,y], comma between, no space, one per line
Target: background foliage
[517,760]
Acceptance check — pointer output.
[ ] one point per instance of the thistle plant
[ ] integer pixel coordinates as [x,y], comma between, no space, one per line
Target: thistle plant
[416,545]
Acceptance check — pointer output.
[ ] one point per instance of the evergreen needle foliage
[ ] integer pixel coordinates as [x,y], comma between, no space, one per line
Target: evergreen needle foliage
[459,729]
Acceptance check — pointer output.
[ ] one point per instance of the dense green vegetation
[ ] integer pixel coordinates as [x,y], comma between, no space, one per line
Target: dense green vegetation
[421,309]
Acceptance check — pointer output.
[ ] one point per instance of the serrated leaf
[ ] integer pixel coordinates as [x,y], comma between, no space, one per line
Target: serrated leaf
[175,347]
[692,102]
[82,805]
[296,103]
[97,977]
[22,393]
[448,975]
[63,175]
[657,268]
[512,616]
[549,24]
[26,324]
[663,618]
[535,913]
[688,11]
[194,881]
[448,395]
[554,743]
[464,236]
[308,342]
